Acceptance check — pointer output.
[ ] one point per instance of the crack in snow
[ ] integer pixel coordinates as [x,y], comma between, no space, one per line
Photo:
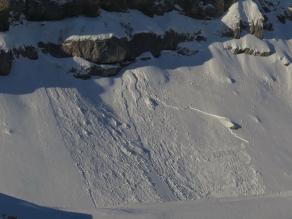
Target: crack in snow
[227,123]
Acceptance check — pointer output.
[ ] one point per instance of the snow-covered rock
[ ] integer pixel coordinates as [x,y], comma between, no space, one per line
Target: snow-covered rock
[101,49]
[248,44]
[243,15]
[109,49]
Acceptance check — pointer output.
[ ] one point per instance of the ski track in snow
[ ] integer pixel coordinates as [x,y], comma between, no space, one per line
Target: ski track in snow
[162,188]
[87,183]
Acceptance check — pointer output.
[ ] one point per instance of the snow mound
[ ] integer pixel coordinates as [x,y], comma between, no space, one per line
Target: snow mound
[248,44]
[89,37]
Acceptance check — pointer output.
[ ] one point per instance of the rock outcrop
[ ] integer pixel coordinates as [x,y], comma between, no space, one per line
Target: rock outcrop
[108,49]
[100,49]
[106,54]
[249,45]
[4,15]
[5,62]
[29,52]
[243,16]
[39,10]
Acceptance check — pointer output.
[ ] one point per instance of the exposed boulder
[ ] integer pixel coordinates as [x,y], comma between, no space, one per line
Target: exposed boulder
[37,10]
[100,49]
[288,13]
[29,52]
[289,10]
[256,28]
[108,49]
[106,54]
[6,59]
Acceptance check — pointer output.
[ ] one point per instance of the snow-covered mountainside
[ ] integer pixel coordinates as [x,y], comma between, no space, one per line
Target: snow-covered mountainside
[124,106]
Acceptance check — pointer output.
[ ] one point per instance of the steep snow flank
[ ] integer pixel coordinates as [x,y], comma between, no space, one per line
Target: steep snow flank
[243,12]
[34,163]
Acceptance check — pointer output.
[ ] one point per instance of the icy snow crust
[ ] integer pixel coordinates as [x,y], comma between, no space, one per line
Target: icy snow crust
[213,126]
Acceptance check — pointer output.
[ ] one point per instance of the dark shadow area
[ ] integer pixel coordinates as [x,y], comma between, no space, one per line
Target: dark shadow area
[27,75]
[46,72]
[10,206]
[49,72]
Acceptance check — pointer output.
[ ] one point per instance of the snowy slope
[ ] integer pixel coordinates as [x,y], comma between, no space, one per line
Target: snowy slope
[260,208]
[214,126]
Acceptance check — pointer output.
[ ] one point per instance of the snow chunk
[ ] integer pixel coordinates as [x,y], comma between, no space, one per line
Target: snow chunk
[90,37]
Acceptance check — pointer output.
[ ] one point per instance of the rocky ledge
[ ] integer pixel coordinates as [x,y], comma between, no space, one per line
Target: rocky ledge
[108,53]
[40,10]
